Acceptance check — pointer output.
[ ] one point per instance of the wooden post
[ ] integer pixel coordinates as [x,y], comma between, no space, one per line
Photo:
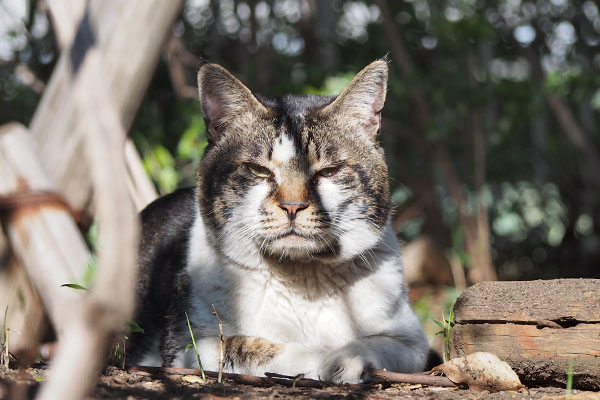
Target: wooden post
[39,225]
[129,34]
[98,319]
[537,327]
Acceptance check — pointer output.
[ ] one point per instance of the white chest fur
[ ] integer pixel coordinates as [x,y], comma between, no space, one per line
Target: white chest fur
[313,305]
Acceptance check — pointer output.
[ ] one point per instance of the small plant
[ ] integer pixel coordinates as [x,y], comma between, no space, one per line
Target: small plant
[119,351]
[193,344]
[5,355]
[569,380]
[4,352]
[446,329]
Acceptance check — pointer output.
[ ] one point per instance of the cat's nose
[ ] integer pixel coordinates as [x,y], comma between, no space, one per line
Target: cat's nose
[292,208]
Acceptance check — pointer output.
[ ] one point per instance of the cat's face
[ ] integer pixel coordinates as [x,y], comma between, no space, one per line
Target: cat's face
[295,178]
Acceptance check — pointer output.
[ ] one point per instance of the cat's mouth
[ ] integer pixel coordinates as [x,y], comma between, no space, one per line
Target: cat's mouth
[292,234]
[296,245]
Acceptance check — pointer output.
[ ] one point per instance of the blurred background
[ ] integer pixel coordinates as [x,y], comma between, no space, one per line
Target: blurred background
[491,125]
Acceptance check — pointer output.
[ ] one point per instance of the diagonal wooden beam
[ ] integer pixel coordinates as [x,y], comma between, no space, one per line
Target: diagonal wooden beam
[129,35]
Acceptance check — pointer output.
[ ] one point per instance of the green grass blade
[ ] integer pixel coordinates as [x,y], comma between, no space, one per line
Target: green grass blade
[569,380]
[195,347]
[134,327]
[74,286]
[438,323]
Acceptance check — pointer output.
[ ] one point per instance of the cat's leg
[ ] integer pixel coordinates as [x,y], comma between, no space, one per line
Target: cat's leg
[349,363]
[241,354]
[254,356]
[400,346]
[352,362]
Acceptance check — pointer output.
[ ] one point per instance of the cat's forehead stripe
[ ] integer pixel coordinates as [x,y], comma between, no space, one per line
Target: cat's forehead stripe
[283,149]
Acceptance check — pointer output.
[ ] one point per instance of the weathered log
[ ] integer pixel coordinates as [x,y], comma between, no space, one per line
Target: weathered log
[130,37]
[39,225]
[537,327]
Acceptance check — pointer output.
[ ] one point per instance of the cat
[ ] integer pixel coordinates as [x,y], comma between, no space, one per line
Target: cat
[287,233]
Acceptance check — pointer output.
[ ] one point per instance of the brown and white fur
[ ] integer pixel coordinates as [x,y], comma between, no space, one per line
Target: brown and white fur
[287,233]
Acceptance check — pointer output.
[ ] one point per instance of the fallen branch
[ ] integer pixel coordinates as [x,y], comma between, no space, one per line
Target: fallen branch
[239,378]
[269,380]
[413,379]
[377,376]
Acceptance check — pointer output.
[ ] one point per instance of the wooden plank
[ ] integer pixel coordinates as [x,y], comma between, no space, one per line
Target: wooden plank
[42,235]
[560,300]
[537,355]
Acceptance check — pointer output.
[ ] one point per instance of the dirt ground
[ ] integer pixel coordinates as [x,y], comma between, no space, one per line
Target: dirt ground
[115,383]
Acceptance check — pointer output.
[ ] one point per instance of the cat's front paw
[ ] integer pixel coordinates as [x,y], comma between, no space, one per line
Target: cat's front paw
[349,364]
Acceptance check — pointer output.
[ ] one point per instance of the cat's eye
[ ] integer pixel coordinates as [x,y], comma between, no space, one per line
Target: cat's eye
[328,172]
[259,171]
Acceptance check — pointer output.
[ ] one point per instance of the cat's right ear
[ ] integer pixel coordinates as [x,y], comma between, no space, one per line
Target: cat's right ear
[225,101]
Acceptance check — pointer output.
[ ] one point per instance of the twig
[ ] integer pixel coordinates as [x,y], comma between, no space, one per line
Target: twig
[423,379]
[244,379]
[221,344]
[5,341]
[295,381]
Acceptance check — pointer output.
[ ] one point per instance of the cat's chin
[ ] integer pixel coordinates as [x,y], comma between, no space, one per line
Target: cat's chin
[295,247]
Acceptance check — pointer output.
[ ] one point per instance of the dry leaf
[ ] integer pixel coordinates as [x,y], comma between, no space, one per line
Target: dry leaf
[192,379]
[481,371]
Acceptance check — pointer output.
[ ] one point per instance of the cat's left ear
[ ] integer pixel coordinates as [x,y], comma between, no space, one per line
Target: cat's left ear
[362,100]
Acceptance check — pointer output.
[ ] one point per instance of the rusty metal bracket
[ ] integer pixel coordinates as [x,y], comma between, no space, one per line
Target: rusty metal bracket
[30,201]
